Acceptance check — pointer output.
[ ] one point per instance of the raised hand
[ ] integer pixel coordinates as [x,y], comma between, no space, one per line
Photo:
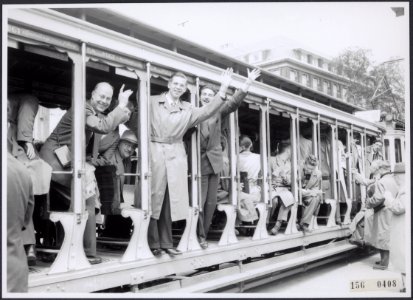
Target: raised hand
[254,74]
[226,77]
[124,96]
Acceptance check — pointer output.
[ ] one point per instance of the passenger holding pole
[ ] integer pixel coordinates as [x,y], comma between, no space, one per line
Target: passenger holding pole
[211,152]
[170,118]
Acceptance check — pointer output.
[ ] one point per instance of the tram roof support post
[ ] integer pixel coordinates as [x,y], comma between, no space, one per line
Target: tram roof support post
[78,129]
[295,181]
[264,155]
[195,154]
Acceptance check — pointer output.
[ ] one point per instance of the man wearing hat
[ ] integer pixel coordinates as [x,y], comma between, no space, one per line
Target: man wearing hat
[120,158]
[281,182]
[310,190]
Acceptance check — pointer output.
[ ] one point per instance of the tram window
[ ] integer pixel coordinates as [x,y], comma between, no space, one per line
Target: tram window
[386,149]
[398,150]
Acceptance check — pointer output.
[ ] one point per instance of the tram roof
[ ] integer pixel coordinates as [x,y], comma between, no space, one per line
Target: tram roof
[112,20]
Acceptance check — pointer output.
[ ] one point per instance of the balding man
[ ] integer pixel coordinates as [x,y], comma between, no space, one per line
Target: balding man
[99,102]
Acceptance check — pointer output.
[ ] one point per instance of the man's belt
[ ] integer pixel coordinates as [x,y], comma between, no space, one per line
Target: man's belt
[165,140]
[325,177]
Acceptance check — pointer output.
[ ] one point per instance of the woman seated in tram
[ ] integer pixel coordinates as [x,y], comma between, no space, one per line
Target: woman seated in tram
[281,183]
[250,163]
[246,210]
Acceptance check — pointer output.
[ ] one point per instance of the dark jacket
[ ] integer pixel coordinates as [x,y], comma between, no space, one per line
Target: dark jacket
[211,150]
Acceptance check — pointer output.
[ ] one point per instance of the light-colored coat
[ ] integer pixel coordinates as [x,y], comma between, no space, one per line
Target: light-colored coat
[398,232]
[377,227]
[168,157]
[211,150]
[20,205]
[62,135]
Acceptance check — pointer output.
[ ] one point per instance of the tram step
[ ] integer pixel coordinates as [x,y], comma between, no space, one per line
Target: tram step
[225,277]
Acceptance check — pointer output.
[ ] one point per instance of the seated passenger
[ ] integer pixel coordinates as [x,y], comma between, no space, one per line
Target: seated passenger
[60,140]
[21,112]
[281,182]
[246,211]
[310,190]
[250,163]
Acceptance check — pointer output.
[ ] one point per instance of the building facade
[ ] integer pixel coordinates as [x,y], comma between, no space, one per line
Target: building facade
[301,66]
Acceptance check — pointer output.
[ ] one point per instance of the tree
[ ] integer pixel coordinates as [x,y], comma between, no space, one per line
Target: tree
[370,85]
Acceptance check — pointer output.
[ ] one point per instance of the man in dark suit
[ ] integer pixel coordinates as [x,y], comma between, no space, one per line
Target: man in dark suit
[62,136]
[211,152]
[20,204]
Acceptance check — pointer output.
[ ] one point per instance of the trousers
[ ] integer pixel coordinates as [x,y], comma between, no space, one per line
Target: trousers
[160,231]
[309,210]
[209,189]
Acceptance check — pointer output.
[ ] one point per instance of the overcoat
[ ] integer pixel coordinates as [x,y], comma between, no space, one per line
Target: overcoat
[211,150]
[20,205]
[377,227]
[398,232]
[62,135]
[169,164]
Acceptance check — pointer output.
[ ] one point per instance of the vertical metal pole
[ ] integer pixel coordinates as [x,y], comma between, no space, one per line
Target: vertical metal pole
[315,139]
[263,156]
[295,176]
[144,134]
[198,148]
[145,140]
[195,172]
[269,173]
[233,158]
[78,130]
[333,160]
[298,154]
[349,163]
[319,137]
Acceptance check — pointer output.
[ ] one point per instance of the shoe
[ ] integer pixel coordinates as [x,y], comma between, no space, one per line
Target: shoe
[275,229]
[379,267]
[172,251]
[31,255]
[157,252]
[93,260]
[203,243]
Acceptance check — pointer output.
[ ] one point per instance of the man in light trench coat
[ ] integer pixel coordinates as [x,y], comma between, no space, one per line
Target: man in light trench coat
[170,119]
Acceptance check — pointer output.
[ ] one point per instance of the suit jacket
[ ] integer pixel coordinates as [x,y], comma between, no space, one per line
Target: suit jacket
[211,150]
[20,205]
[62,135]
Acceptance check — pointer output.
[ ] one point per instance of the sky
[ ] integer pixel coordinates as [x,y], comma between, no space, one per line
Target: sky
[327,28]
